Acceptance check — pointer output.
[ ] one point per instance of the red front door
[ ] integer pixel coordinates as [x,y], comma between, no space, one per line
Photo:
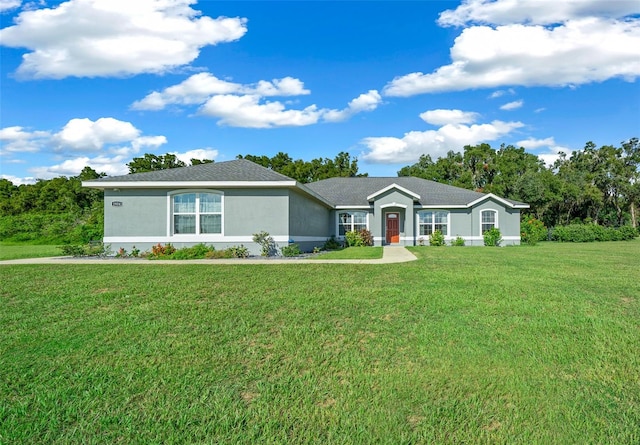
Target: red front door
[393,228]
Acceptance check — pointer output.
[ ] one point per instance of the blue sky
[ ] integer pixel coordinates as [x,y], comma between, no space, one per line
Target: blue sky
[98,82]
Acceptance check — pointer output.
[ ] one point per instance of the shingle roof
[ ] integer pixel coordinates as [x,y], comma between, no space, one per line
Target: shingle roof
[236,170]
[354,191]
[335,191]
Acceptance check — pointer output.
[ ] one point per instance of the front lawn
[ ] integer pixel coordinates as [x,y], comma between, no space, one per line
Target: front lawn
[10,251]
[518,345]
[352,253]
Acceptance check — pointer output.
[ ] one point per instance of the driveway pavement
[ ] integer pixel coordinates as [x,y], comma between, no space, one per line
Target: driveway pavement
[391,254]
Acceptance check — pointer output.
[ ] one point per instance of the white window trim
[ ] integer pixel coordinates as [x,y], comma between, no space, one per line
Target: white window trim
[496,223]
[447,236]
[199,236]
[351,210]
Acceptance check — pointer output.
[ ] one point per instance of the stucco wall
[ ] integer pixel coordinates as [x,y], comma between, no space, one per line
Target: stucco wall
[508,221]
[308,218]
[248,211]
[142,218]
[140,213]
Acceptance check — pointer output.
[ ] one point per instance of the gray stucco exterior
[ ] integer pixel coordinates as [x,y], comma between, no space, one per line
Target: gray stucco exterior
[139,208]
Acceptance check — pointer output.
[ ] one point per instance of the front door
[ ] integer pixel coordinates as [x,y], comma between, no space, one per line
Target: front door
[393,228]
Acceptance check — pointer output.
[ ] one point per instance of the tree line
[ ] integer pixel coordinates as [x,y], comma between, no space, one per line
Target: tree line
[599,185]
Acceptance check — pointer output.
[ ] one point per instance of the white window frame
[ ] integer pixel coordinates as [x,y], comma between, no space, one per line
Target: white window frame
[351,212]
[171,220]
[433,221]
[495,219]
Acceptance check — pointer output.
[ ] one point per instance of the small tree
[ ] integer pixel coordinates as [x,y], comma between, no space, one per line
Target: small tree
[532,231]
[436,238]
[492,237]
[268,245]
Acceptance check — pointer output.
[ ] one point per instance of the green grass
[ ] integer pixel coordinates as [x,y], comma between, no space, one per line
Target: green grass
[529,345]
[352,253]
[10,251]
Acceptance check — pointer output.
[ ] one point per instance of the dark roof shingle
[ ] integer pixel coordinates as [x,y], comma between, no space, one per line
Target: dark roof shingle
[354,191]
[236,170]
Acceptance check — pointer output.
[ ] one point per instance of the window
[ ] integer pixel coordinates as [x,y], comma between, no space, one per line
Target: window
[489,220]
[349,221]
[429,222]
[197,213]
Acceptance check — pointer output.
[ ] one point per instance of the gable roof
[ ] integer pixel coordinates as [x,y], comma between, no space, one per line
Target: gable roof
[238,170]
[333,192]
[343,192]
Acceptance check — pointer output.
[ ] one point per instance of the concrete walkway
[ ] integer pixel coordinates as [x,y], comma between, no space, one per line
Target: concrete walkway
[391,254]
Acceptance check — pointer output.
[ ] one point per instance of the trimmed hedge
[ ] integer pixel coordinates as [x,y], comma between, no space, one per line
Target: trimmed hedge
[584,233]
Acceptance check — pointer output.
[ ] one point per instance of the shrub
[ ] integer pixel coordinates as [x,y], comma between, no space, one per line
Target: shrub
[135,252]
[291,250]
[367,237]
[332,244]
[421,241]
[238,251]
[219,254]
[96,249]
[197,252]
[583,233]
[267,244]
[359,238]
[73,250]
[532,230]
[436,238]
[122,253]
[459,241]
[492,237]
[628,232]
[160,251]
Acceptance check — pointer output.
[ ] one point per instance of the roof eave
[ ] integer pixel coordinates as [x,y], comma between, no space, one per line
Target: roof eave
[186,184]
[415,196]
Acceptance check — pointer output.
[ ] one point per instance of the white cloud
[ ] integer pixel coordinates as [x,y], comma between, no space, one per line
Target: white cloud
[368,101]
[198,88]
[512,105]
[247,111]
[19,181]
[532,144]
[443,117]
[199,153]
[6,5]
[500,93]
[112,166]
[579,48]
[17,140]
[538,12]
[88,38]
[86,135]
[551,150]
[433,142]
[287,86]
[243,105]
[551,155]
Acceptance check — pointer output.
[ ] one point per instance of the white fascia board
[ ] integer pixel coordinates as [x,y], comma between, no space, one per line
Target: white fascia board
[499,199]
[394,186]
[367,207]
[393,204]
[441,206]
[189,184]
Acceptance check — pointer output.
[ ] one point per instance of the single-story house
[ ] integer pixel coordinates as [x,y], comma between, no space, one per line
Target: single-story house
[224,203]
